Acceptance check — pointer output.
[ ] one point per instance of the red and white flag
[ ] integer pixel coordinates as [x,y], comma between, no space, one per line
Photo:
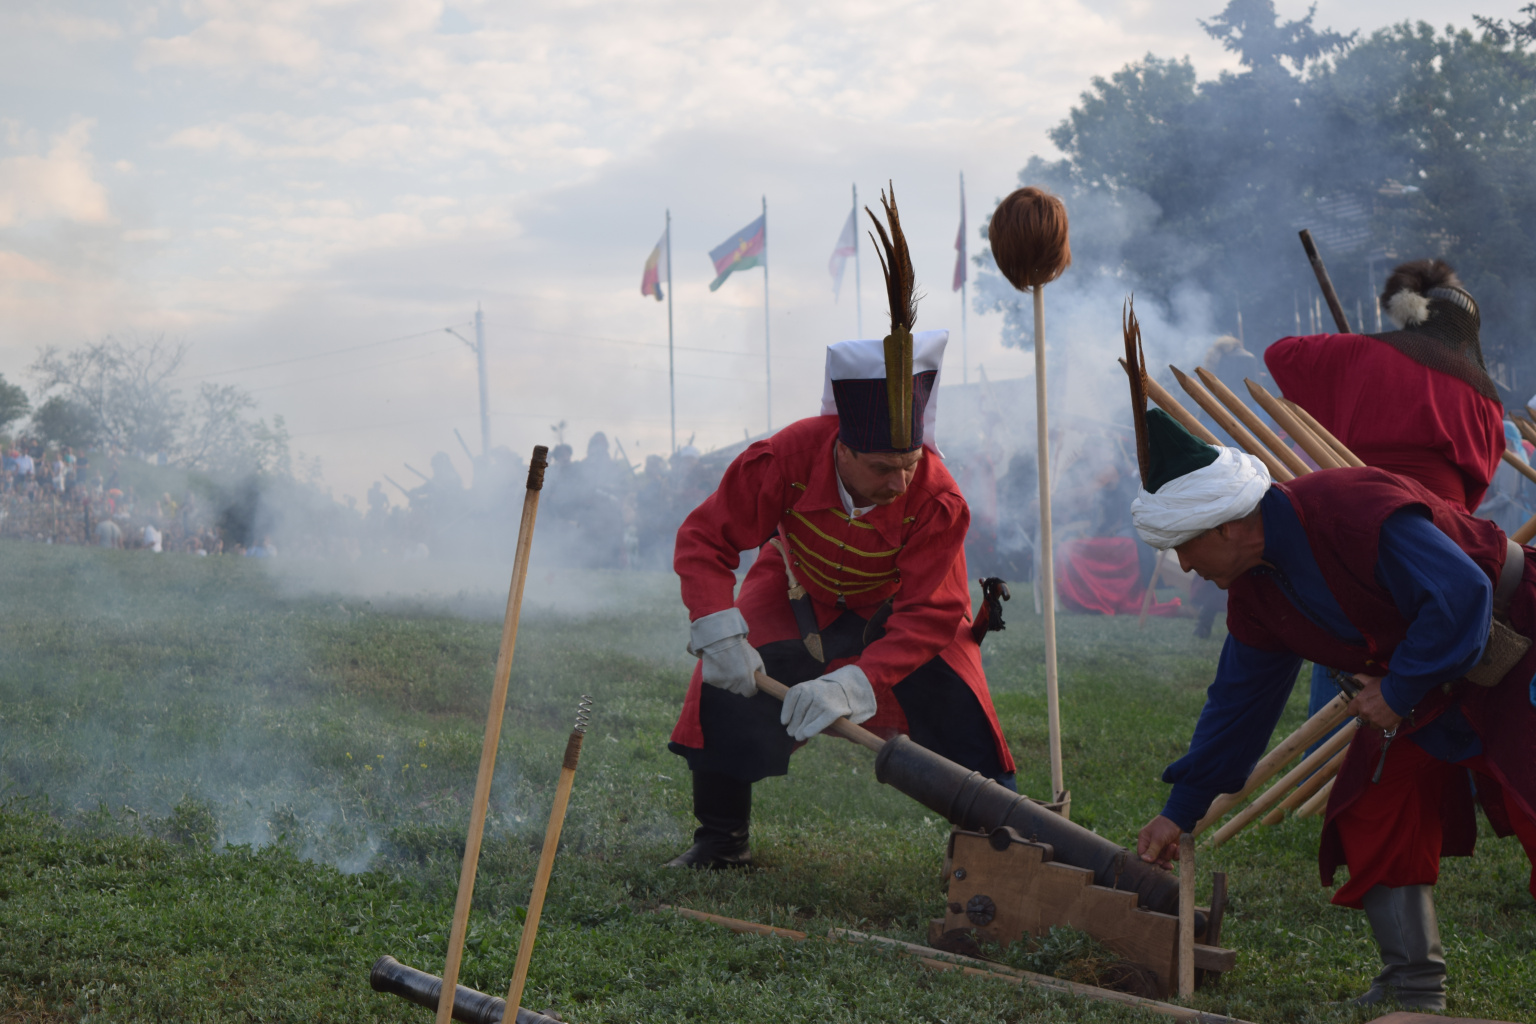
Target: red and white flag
[847,245]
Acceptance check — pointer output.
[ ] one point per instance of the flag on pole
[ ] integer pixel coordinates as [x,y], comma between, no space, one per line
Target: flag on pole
[960,244]
[741,251]
[655,270]
[847,245]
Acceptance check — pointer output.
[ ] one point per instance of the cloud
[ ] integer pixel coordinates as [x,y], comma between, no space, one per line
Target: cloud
[14,267]
[56,185]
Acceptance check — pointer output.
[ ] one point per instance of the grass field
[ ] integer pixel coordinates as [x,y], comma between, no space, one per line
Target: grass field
[226,792]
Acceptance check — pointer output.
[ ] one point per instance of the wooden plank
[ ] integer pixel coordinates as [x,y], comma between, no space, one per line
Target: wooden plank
[1214,958]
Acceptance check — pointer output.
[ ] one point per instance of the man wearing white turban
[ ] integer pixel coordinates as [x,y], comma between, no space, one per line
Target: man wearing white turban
[1373,575]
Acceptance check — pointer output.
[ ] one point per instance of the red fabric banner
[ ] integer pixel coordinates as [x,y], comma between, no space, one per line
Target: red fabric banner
[1101,576]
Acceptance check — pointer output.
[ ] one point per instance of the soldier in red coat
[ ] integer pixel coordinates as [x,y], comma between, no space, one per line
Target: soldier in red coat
[858,599]
[1417,401]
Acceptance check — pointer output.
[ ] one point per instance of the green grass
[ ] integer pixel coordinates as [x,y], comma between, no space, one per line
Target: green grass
[226,790]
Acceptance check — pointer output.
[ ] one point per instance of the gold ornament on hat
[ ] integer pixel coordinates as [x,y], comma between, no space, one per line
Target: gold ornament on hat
[896,262]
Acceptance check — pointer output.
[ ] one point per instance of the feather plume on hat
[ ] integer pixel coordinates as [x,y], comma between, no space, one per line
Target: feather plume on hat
[896,263]
[1136,368]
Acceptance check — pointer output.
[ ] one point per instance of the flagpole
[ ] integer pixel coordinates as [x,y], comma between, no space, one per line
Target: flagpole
[858,299]
[671,364]
[767,343]
[965,357]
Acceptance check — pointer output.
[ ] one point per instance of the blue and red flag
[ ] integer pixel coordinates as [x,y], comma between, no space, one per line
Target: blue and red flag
[743,250]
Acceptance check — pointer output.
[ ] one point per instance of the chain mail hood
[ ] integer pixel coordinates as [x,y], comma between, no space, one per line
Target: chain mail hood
[1439,322]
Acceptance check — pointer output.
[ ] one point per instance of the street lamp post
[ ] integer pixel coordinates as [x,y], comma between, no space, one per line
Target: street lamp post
[478,347]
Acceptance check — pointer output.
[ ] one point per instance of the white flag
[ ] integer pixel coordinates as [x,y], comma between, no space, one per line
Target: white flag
[847,245]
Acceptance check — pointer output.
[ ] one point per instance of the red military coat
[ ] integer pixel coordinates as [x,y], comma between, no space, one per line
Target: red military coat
[911,550]
[1393,412]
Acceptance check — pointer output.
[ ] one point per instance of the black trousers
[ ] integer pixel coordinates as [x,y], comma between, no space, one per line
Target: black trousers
[744,740]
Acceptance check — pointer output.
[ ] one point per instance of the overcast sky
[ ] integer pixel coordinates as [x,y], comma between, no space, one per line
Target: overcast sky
[272,180]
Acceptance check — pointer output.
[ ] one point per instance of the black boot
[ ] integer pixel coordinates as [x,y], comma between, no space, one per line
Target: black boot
[1413,972]
[723,806]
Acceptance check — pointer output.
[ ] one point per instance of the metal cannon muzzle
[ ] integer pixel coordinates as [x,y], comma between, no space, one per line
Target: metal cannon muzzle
[423,989]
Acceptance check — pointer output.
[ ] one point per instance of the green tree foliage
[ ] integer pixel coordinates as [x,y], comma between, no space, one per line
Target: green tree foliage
[1406,143]
[13,403]
[122,395]
[61,421]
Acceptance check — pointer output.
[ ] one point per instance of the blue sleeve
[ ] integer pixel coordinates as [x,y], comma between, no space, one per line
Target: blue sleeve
[1446,599]
[1241,709]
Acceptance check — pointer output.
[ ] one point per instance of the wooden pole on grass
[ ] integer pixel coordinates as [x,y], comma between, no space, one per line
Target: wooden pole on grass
[547,856]
[1046,559]
[466,895]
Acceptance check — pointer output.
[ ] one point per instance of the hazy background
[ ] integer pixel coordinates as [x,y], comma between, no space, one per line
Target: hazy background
[271,181]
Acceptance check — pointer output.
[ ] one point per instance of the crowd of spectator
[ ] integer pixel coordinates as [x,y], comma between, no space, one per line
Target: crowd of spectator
[50,494]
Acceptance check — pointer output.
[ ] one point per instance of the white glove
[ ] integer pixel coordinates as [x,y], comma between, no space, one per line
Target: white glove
[812,706]
[720,640]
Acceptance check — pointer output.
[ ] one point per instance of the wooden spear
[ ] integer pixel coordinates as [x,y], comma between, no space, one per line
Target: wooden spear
[1170,405]
[1230,424]
[1303,792]
[1313,446]
[1285,751]
[466,895]
[1318,801]
[1323,434]
[1258,427]
[1313,761]
[547,855]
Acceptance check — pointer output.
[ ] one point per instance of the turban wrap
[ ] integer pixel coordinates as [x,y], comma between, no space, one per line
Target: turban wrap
[1183,508]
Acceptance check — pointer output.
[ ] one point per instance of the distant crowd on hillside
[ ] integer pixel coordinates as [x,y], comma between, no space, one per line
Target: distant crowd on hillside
[50,494]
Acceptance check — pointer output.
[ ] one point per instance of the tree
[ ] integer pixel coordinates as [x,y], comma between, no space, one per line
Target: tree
[61,421]
[126,388]
[13,403]
[1252,30]
[122,395]
[1404,144]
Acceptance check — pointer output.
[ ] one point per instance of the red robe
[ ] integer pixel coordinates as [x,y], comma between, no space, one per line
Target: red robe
[912,550]
[1395,413]
[1342,511]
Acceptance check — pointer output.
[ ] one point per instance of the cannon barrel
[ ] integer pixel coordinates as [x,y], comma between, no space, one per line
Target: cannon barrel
[974,802]
[421,988]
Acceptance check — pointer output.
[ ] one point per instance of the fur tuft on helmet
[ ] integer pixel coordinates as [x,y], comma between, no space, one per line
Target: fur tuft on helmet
[1407,308]
[1405,298]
